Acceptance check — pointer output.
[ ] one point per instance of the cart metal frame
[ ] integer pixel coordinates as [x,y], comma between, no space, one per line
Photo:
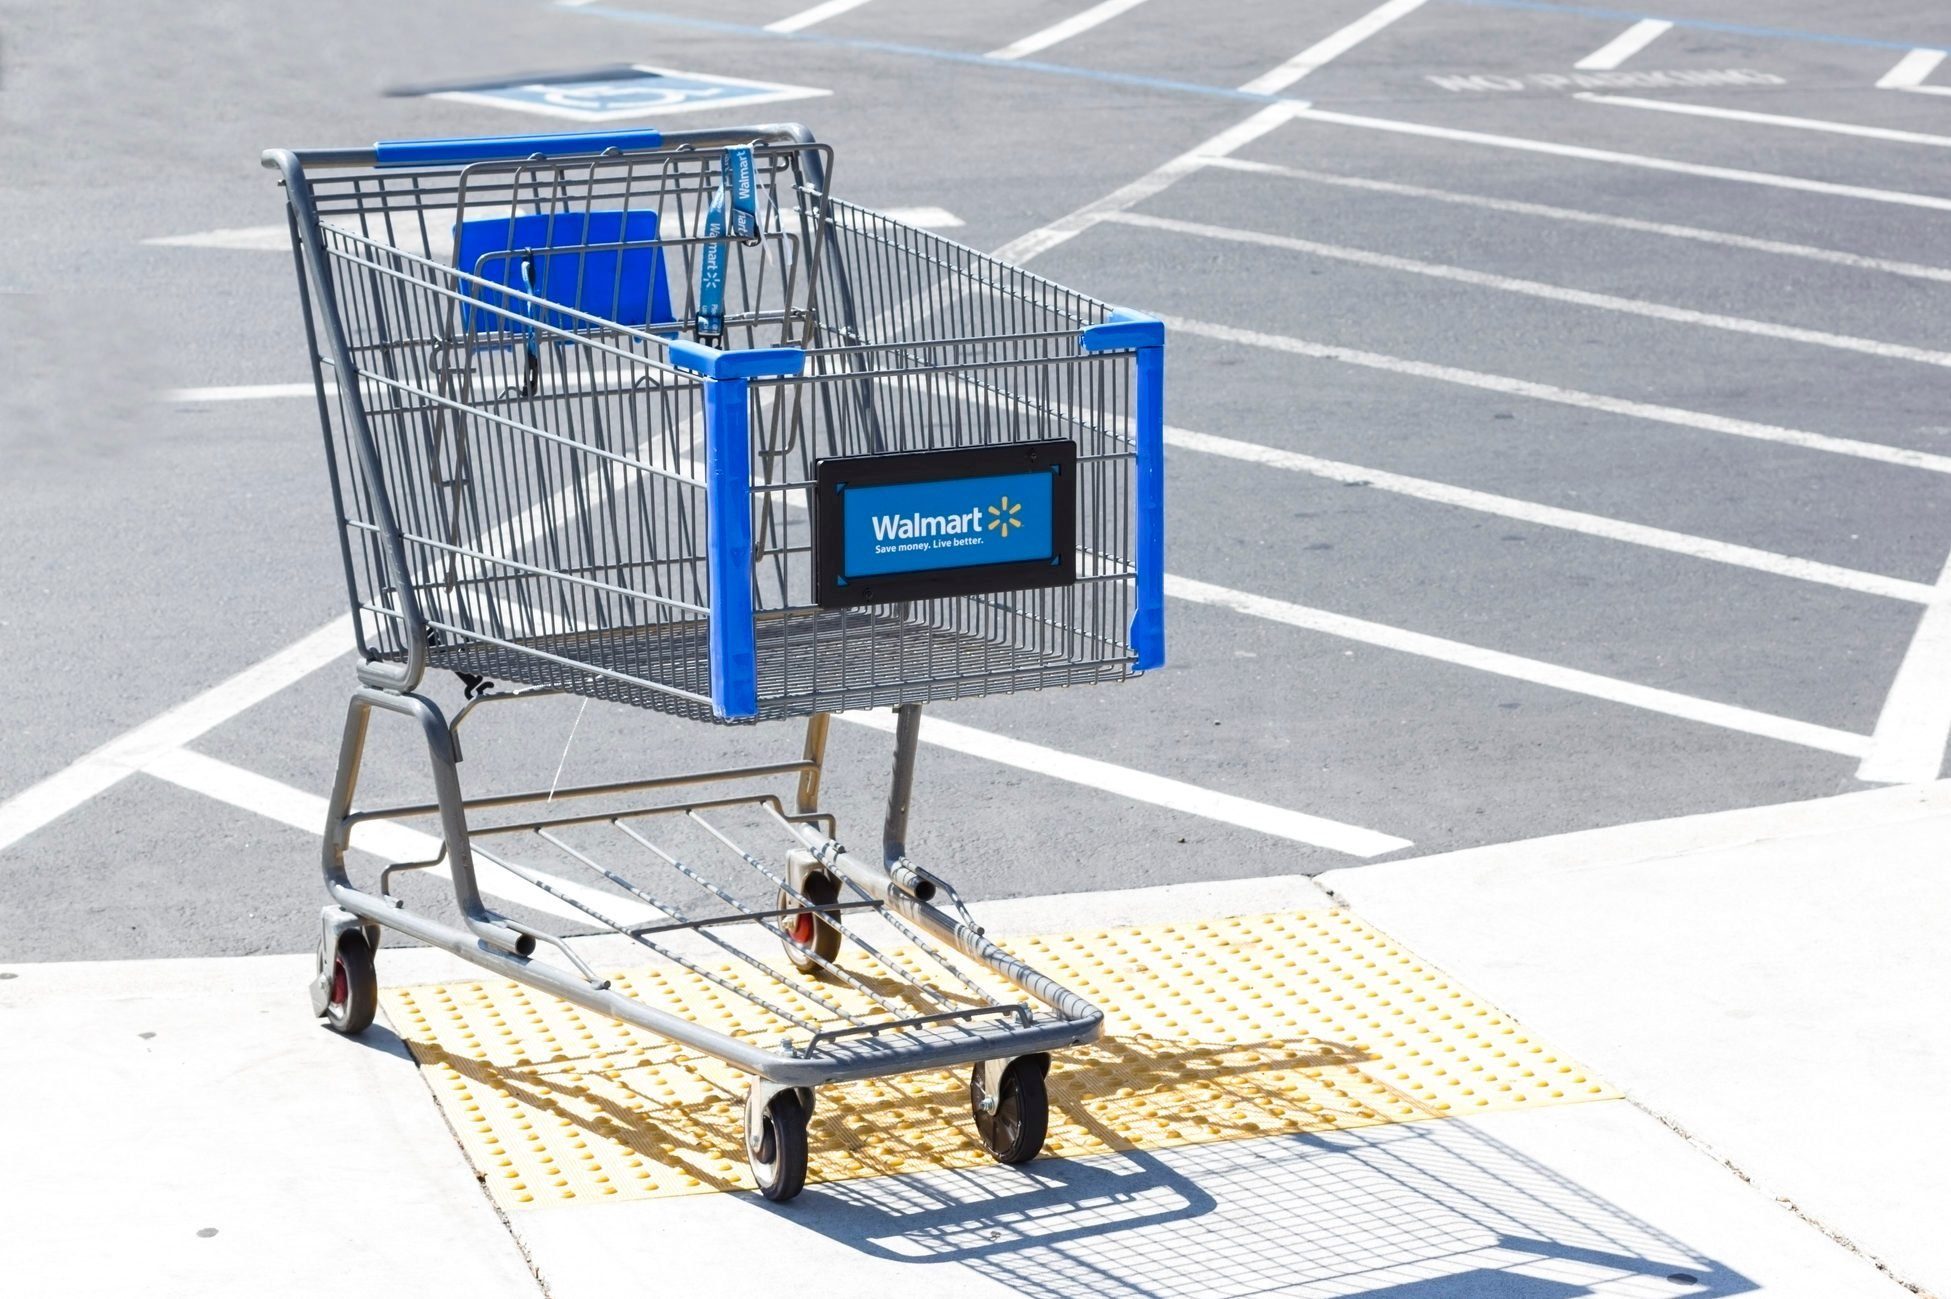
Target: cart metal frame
[419,366]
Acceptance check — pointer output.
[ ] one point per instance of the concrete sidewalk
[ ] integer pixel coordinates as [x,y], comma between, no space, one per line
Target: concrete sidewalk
[1774,982]
[183,1128]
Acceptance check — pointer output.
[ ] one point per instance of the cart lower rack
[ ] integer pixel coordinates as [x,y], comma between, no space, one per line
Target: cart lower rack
[654,419]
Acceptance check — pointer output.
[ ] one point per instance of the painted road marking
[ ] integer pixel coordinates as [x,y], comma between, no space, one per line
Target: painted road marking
[901,49]
[1155,181]
[247,392]
[1671,703]
[1143,787]
[295,807]
[1063,31]
[807,17]
[1772,119]
[253,239]
[1911,70]
[1565,396]
[1331,47]
[1932,201]
[927,218]
[133,750]
[1907,746]
[1490,81]
[387,840]
[1537,289]
[613,94]
[1593,525]
[1623,46]
[1518,207]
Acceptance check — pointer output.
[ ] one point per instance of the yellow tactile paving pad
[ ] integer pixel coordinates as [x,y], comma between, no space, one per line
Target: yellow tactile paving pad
[1216,1030]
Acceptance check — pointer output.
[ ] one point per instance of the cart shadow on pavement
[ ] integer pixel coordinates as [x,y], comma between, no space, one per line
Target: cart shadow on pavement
[681,1110]
[1432,1210]
[1231,1161]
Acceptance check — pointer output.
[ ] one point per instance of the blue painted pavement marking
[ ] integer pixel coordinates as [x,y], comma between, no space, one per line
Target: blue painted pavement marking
[611,94]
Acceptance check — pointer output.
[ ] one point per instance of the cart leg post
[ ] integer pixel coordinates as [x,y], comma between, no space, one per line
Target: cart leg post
[484,923]
[815,755]
[907,738]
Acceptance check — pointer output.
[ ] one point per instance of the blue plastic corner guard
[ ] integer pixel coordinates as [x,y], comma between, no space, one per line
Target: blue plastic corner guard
[508,148]
[728,510]
[1122,332]
[1145,335]
[728,549]
[753,363]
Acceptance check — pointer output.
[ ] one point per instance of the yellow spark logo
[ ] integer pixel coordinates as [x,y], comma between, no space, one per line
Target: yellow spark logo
[1003,517]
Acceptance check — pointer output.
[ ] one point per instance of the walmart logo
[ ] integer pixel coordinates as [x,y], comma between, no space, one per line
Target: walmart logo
[1004,517]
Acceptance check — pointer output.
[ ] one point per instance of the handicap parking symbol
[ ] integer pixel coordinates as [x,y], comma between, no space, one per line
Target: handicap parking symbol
[612,94]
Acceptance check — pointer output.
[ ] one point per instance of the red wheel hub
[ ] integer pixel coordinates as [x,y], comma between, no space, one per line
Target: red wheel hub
[802,930]
[341,983]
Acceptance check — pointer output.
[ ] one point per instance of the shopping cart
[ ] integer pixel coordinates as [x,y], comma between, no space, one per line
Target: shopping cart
[651,418]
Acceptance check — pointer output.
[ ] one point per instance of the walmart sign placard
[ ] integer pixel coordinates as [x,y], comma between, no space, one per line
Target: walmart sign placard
[961,522]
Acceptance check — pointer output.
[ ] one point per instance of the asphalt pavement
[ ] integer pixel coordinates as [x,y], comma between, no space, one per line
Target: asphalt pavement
[1615,478]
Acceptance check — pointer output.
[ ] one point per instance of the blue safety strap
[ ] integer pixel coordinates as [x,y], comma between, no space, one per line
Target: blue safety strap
[736,204]
[532,378]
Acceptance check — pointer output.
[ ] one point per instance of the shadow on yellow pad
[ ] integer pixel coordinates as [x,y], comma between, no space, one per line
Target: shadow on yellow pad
[1217,1030]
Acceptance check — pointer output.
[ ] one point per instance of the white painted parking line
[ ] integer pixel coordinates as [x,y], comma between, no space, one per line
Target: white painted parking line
[1911,70]
[1535,671]
[1518,207]
[252,239]
[1063,31]
[817,14]
[1907,746]
[1551,516]
[1159,179]
[1566,396]
[1331,47]
[304,811]
[387,840]
[927,218]
[1623,46]
[1554,148]
[246,392]
[1143,787]
[131,751]
[1769,119]
[1537,289]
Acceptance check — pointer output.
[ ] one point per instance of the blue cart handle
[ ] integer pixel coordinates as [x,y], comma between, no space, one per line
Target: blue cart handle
[509,148]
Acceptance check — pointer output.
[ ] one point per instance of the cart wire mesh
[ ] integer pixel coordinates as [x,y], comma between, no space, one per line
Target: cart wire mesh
[518,457]
[707,858]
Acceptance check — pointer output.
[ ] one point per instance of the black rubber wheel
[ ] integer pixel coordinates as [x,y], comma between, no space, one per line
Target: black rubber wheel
[354,996]
[1014,1130]
[776,1149]
[808,935]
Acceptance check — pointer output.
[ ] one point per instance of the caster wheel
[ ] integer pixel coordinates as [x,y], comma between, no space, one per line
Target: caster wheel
[354,997]
[811,939]
[1012,1124]
[775,1146]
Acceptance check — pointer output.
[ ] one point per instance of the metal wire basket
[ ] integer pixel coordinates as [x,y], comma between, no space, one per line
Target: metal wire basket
[579,409]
